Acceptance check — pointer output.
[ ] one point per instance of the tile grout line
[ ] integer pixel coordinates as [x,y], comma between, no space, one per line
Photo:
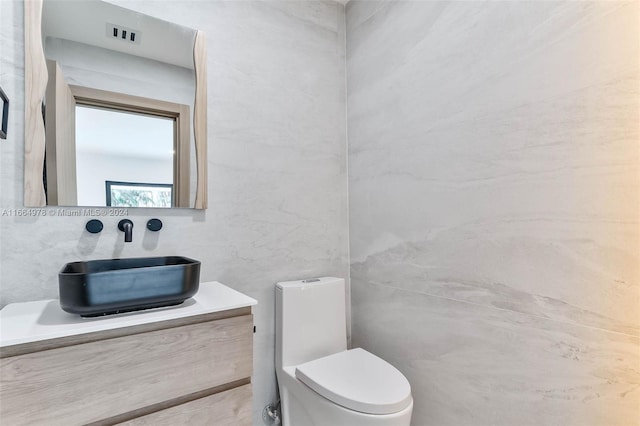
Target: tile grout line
[346,158]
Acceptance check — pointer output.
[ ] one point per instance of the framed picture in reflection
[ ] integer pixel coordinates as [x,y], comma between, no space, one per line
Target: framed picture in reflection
[138,194]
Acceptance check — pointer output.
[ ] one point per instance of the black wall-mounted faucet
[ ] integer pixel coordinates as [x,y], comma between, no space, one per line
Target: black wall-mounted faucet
[126,226]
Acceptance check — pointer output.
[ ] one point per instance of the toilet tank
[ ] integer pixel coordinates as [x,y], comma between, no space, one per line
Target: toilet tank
[310,320]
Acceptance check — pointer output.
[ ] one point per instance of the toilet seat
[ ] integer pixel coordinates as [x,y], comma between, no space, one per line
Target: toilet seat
[358,380]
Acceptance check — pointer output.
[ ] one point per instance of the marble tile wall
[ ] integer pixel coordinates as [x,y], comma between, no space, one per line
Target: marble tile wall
[277,164]
[494,206]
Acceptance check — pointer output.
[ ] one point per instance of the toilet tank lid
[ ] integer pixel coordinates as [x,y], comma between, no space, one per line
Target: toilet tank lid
[358,380]
[310,282]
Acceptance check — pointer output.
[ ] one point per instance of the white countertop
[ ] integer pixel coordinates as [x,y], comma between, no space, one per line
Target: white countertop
[42,320]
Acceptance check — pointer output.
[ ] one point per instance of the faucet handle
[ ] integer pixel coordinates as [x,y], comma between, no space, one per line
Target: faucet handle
[94,226]
[154,225]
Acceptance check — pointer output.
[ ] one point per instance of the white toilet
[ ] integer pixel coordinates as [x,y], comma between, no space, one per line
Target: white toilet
[321,382]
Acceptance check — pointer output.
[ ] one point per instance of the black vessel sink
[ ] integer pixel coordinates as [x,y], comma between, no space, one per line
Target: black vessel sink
[102,287]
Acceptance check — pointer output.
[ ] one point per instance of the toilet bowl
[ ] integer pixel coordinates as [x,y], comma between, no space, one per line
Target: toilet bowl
[321,382]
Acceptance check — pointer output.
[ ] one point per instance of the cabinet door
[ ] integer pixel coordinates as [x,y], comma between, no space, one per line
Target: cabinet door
[228,408]
[95,381]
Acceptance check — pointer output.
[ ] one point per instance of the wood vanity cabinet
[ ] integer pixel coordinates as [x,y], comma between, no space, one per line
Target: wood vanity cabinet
[187,371]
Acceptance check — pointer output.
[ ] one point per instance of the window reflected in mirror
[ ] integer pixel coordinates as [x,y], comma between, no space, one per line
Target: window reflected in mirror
[135,152]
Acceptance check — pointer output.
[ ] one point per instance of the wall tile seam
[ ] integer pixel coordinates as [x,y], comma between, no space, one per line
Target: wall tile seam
[575,324]
[346,160]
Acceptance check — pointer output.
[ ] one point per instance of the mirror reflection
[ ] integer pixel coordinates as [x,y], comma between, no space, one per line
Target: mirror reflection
[133,150]
[118,107]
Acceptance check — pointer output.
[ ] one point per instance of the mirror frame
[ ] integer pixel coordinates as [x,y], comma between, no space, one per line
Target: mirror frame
[36,77]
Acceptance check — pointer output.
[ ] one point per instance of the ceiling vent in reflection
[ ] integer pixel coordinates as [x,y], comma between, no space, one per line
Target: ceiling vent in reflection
[121,33]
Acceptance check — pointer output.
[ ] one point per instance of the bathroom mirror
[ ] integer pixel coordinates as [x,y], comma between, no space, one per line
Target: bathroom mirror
[115,108]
